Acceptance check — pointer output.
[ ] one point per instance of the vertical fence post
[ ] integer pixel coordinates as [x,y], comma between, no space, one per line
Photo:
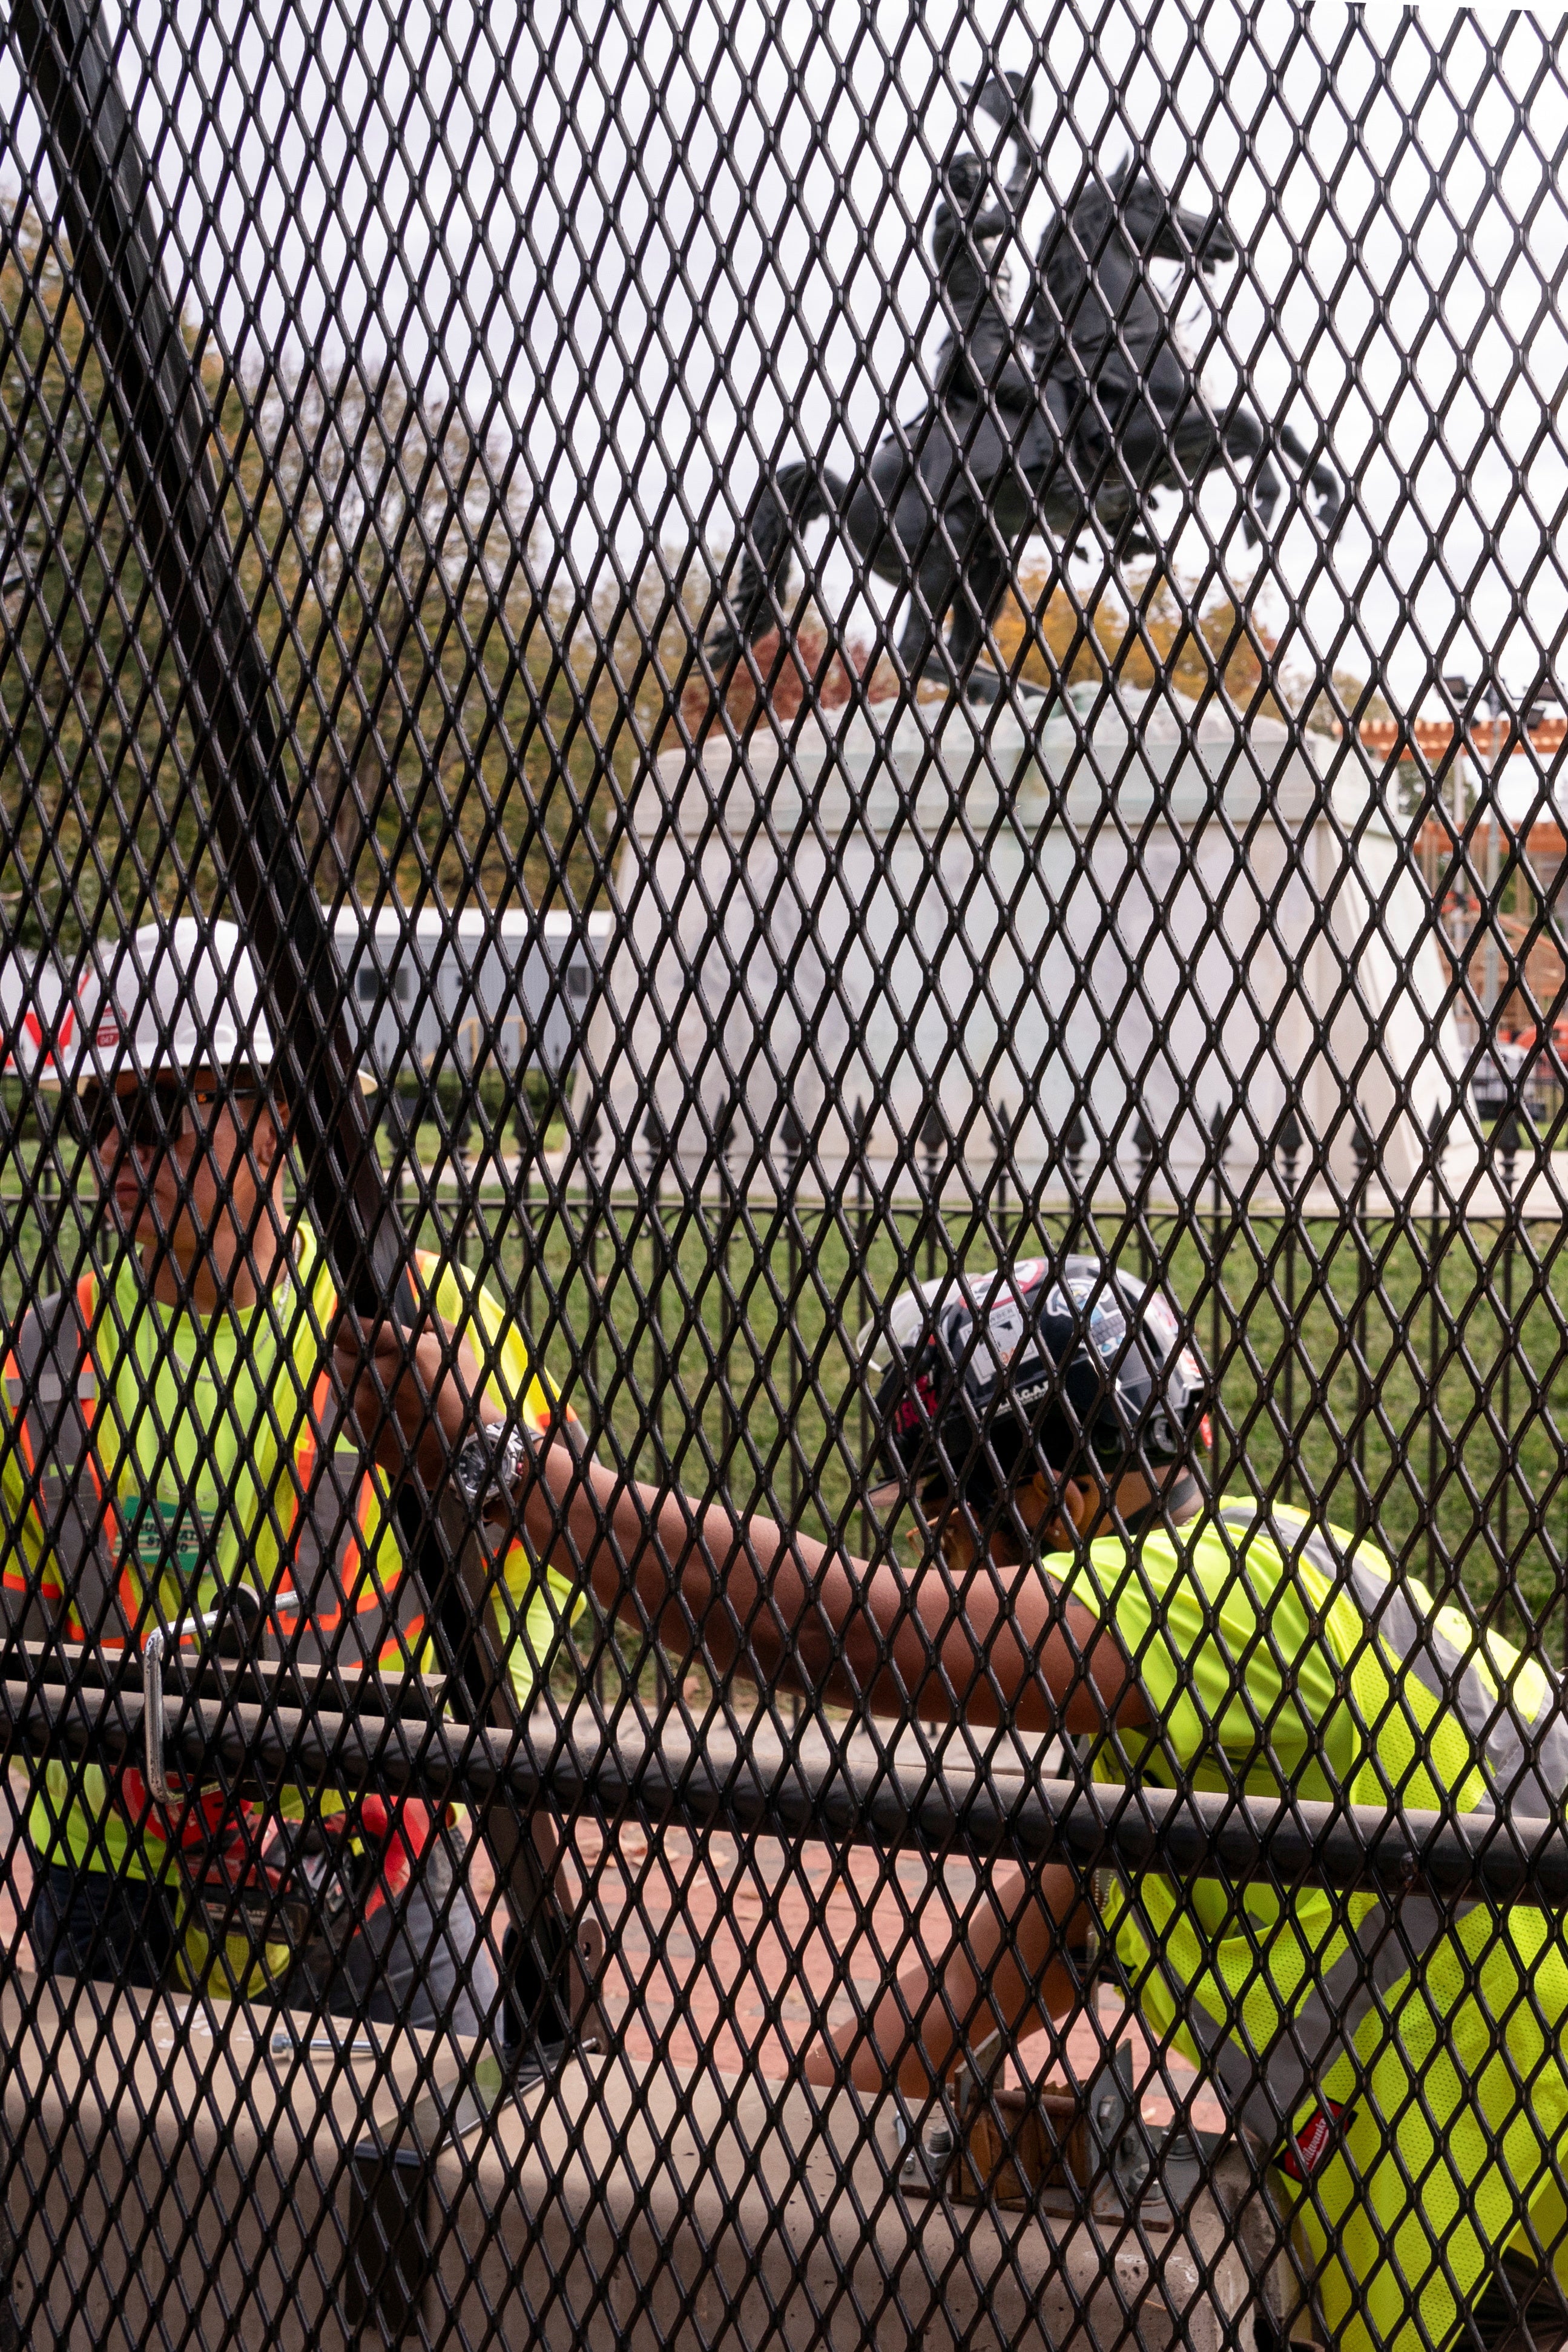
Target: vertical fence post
[593,1205]
[425,1109]
[1439,1133]
[400,1142]
[1505,1143]
[8,1231]
[656,1143]
[1291,1140]
[528,1137]
[1219,1130]
[866,1307]
[594,1200]
[792,1135]
[1001,1131]
[463,1180]
[1144,1167]
[1075,1145]
[729,1217]
[1361,1146]
[1491,960]
[49,1193]
[932,1137]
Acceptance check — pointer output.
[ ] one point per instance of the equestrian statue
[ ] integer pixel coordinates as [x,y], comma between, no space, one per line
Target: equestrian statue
[1062,412]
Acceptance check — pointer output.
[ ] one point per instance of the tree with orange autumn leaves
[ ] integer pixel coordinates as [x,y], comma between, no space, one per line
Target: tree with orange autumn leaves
[1157,634]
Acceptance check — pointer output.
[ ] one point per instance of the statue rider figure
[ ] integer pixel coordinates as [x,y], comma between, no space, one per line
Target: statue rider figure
[982,355]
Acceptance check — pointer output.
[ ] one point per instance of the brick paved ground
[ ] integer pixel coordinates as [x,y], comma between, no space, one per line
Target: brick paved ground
[723,1952]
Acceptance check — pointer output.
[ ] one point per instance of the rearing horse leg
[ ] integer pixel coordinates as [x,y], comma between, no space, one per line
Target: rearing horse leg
[978,598]
[800,494]
[1327,487]
[931,592]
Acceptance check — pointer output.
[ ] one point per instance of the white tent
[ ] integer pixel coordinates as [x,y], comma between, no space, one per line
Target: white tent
[1164,914]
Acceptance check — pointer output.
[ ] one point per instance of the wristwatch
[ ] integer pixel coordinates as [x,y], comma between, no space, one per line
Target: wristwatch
[489,1465]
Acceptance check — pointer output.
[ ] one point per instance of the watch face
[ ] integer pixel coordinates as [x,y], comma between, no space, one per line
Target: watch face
[488,1462]
[472,1468]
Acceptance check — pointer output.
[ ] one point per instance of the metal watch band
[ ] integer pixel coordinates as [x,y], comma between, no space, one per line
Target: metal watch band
[490,1463]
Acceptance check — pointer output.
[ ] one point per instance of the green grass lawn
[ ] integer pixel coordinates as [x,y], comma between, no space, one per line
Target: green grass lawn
[1409,1404]
[718,1351]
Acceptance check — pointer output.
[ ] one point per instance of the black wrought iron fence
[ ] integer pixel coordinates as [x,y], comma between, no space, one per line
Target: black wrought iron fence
[783,1485]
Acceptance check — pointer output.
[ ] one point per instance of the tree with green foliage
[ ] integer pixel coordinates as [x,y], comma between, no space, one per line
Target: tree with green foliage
[457,713]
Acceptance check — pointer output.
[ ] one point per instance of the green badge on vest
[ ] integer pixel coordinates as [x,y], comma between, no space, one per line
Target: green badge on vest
[167,1536]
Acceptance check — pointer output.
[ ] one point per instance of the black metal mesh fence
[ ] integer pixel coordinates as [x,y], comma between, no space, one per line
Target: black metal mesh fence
[672,683]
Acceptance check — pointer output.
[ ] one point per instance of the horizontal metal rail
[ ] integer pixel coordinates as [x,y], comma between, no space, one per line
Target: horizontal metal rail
[1302,1842]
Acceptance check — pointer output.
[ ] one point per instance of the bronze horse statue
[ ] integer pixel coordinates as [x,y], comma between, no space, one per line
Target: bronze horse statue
[1063,419]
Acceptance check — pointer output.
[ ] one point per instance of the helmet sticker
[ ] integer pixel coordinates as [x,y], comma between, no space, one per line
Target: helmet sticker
[1005,1328]
[1107,1325]
[1007,1324]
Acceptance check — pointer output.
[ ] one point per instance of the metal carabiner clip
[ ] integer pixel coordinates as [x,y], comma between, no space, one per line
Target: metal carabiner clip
[153,1651]
[154,1773]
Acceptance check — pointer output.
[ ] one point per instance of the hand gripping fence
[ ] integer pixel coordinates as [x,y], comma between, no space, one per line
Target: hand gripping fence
[1048,921]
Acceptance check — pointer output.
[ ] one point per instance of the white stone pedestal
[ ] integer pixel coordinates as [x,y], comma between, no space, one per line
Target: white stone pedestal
[1134,904]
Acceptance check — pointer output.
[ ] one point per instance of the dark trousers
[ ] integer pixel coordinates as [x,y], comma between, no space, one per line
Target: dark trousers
[1519,2307]
[422,1961]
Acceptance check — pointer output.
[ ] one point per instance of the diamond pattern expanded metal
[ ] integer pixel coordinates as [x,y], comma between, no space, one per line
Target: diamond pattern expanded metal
[672,681]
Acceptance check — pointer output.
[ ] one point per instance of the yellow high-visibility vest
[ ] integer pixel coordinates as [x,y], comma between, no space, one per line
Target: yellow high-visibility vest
[148,1447]
[1402,2060]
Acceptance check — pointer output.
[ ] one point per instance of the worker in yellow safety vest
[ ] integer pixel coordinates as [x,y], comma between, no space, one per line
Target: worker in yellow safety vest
[1400,2064]
[183,1450]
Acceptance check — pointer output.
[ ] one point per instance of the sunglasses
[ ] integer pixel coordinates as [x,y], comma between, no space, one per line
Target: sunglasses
[156,1116]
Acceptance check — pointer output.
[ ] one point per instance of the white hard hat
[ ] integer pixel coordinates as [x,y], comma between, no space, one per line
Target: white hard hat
[180,996]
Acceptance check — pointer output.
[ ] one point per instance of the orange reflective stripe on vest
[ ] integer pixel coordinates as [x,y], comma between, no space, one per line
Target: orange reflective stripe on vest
[88,1564]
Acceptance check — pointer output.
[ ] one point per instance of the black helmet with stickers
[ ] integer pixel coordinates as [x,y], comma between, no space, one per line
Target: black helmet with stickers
[1071,1363]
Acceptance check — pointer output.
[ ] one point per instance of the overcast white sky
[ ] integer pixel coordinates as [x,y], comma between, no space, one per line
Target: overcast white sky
[589,233]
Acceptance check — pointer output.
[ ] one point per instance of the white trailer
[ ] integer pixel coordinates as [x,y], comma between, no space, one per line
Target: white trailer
[432,989]
[428,990]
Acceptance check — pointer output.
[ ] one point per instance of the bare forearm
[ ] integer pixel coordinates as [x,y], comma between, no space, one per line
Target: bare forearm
[797,1615]
[742,1589]
[997,1643]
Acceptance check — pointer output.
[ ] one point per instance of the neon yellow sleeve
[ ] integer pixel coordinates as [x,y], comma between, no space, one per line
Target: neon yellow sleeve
[23,1536]
[1220,1642]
